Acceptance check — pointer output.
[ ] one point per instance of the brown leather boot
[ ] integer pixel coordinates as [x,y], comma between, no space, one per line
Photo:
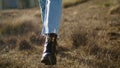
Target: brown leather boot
[49,53]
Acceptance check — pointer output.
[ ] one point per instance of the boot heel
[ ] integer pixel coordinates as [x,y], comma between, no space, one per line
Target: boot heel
[49,60]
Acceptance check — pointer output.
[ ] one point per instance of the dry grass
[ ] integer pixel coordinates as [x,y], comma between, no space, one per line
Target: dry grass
[115,10]
[89,38]
[68,3]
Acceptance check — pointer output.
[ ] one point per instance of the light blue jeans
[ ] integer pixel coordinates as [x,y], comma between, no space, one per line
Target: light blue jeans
[51,11]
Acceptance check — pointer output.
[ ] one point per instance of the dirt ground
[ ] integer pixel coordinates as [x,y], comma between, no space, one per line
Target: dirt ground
[89,37]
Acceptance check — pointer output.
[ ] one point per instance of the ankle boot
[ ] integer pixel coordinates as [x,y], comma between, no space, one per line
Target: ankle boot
[49,53]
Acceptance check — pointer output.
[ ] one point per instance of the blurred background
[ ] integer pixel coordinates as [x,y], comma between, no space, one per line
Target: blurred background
[22,4]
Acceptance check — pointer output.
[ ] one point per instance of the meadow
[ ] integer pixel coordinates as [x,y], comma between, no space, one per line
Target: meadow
[89,36]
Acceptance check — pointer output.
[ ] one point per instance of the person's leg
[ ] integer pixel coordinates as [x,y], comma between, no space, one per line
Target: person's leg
[51,16]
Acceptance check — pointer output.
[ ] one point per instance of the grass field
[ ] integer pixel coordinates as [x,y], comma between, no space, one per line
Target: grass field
[67,3]
[89,36]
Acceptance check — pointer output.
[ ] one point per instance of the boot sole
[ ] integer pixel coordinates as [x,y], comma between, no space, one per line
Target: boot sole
[49,60]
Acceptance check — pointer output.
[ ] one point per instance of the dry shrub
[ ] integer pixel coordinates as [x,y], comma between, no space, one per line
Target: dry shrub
[25,45]
[12,62]
[115,10]
[2,42]
[89,43]
[37,39]
[8,44]
[20,26]
[72,3]
[79,38]
[4,63]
